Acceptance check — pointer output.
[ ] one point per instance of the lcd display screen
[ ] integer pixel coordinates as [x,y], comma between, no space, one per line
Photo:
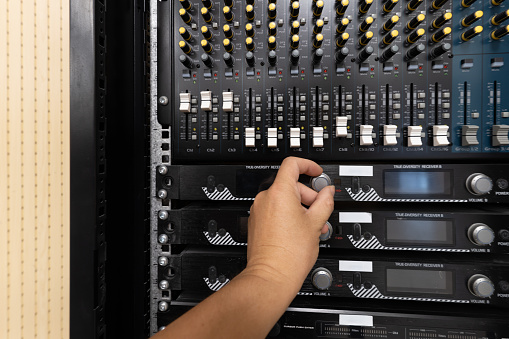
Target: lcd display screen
[417,183]
[250,182]
[420,281]
[419,232]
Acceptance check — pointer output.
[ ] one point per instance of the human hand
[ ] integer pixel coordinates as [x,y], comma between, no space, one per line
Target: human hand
[283,235]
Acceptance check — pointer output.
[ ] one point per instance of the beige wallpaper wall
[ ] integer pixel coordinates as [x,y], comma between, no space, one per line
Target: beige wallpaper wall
[34,169]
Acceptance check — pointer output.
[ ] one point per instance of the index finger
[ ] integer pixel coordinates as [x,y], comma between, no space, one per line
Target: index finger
[292,167]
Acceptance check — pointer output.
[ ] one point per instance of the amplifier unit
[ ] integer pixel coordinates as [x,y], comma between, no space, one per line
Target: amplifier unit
[413,278]
[460,183]
[350,322]
[411,229]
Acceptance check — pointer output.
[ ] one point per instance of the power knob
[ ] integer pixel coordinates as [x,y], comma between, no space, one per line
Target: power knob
[319,182]
[321,278]
[479,184]
[480,286]
[481,234]
[326,236]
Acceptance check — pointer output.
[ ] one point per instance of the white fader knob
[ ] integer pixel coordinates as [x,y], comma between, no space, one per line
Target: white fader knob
[479,184]
[480,234]
[321,278]
[481,286]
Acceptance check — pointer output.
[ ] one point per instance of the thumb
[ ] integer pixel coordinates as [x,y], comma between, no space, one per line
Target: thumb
[321,209]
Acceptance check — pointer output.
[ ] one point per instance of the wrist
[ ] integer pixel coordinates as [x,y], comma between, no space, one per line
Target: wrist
[285,283]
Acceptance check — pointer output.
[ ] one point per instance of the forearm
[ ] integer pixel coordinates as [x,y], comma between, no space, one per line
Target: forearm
[247,307]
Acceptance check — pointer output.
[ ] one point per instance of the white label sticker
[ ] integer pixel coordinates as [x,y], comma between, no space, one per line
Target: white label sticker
[353,217]
[355,320]
[356,171]
[355,266]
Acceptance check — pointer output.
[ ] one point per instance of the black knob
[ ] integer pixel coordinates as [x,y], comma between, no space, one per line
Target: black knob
[438,51]
[294,9]
[503,234]
[389,53]
[341,40]
[317,42]
[412,5]
[272,58]
[206,14]
[441,20]
[416,21]
[228,59]
[499,18]
[318,26]
[186,48]
[390,23]
[470,19]
[186,4]
[205,31]
[186,61]
[228,3]
[272,28]
[250,58]
[207,3]
[467,3]
[272,44]
[185,16]
[317,11]
[441,34]
[272,11]
[366,24]
[295,27]
[342,6]
[228,32]
[389,38]
[364,6]
[294,42]
[437,4]
[415,51]
[389,5]
[250,32]
[471,33]
[250,44]
[414,36]
[294,57]
[317,58]
[207,47]
[185,34]
[250,2]
[341,54]
[343,24]
[207,60]
[250,13]
[228,14]
[365,54]
[365,38]
[499,33]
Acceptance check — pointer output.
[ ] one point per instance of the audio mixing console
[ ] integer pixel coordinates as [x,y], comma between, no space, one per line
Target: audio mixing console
[404,104]
[334,80]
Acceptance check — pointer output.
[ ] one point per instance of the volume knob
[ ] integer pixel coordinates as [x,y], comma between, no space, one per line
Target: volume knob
[481,234]
[321,278]
[326,236]
[319,182]
[481,286]
[479,184]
